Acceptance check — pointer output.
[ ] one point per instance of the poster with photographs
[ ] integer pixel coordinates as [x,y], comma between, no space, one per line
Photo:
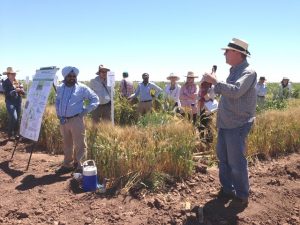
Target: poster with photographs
[36,102]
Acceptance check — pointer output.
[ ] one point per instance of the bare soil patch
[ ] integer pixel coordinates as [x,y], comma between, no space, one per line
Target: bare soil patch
[38,196]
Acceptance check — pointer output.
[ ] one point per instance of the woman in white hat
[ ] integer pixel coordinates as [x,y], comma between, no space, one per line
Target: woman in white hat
[13,91]
[188,95]
[172,90]
[285,86]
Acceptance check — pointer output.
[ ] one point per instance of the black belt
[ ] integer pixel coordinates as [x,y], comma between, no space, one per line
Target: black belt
[70,117]
[147,101]
[260,96]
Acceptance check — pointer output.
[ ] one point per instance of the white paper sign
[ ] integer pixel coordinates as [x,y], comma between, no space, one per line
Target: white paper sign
[211,106]
[27,80]
[110,79]
[36,103]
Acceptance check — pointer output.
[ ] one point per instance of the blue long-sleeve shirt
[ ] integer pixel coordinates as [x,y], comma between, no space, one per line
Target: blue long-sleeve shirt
[144,91]
[70,100]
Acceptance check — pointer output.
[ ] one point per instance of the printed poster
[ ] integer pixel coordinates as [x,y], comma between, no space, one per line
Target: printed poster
[36,102]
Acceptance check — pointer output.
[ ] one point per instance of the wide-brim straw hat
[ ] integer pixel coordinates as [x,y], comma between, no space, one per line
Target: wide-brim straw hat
[239,46]
[172,75]
[191,74]
[10,70]
[102,68]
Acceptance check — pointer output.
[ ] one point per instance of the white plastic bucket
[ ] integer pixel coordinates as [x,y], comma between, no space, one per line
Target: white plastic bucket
[89,172]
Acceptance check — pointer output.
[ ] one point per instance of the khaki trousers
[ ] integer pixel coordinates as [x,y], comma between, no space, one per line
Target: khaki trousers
[102,112]
[144,107]
[73,134]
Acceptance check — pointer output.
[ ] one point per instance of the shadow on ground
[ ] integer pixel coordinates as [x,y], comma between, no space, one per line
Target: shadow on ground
[217,211]
[30,181]
[4,166]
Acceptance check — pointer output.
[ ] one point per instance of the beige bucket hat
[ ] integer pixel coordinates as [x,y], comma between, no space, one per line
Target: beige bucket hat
[191,74]
[10,70]
[102,68]
[172,75]
[239,46]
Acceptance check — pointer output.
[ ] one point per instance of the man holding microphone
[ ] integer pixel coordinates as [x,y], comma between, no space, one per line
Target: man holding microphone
[235,116]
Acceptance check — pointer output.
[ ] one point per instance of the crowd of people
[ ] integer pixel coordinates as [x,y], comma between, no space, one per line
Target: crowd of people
[239,95]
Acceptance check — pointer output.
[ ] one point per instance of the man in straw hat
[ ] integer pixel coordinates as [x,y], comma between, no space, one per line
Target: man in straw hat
[172,90]
[70,110]
[188,96]
[234,120]
[146,91]
[13,91]
[99,85]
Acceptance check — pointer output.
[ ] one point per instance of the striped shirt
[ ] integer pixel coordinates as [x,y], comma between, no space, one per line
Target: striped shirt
[126,88]
[238,101]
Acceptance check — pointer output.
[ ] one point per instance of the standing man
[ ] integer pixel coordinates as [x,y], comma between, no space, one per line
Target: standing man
[70,110]
[99,86]
[261,89]
[126,86]
[13,91]
[234,120]
[146,91]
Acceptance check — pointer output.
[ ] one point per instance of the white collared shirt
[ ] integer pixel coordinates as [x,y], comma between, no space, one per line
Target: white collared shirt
[173,94]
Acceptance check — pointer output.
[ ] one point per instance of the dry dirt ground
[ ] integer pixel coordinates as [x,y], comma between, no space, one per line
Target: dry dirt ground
[38,196]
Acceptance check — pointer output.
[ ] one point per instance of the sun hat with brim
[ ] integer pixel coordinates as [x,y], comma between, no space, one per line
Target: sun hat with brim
[102,68]
[9,70]
[191,75]
[172,75]
[285,78]
[239,46]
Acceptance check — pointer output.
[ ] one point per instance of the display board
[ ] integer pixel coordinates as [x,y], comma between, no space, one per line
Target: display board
[36,102]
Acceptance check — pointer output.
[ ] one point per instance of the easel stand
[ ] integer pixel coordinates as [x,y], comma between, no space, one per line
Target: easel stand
[31,150]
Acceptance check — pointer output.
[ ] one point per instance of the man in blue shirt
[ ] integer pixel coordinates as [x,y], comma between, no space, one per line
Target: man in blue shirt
[70,110]
[146,91]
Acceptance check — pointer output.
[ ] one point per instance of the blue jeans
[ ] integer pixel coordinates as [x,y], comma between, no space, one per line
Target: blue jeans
[233,166]
[14,112]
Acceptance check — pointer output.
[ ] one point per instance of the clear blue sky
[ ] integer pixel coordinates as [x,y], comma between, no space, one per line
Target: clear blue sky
[154,36]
